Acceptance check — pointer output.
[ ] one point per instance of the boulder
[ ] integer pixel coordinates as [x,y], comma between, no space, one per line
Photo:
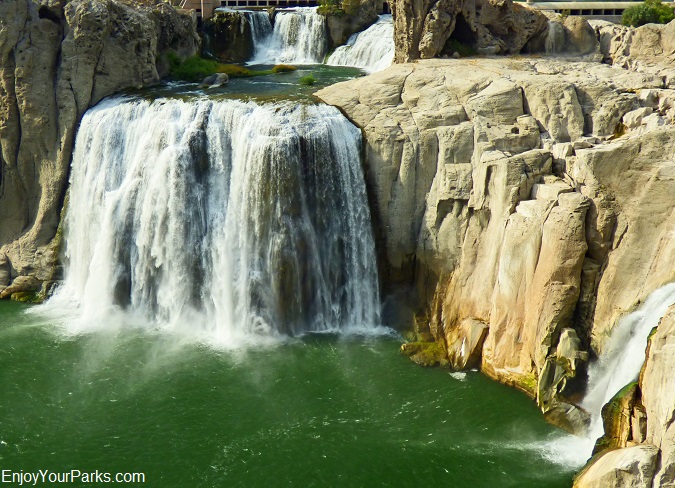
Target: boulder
[215,80]
[630,467]
[565,35]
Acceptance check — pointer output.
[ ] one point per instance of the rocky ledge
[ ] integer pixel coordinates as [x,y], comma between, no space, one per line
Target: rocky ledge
[514,194]
[57,59]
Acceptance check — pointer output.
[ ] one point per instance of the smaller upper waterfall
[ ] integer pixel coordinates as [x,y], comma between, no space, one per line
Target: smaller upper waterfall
[372,50]
[261,26]
[298,37]
[624,354]
[555,38]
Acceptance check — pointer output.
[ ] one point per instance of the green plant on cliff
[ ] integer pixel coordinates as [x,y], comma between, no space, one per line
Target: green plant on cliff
[351,7]
[330,8]
[649,12]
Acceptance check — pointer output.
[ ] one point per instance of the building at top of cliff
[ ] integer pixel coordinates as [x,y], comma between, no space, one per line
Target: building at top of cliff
[591,10]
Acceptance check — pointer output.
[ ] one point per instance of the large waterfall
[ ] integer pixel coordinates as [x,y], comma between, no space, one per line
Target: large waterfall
[371,50]
[231,218]
[298,37]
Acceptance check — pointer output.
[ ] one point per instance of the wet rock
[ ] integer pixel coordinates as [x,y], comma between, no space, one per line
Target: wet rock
[228,37]
[425,353]
[215,80]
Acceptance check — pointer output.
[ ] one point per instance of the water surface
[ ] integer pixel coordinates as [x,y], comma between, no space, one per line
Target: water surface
[323,410]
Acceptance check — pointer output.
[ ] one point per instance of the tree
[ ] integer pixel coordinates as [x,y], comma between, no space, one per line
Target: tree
[650,12]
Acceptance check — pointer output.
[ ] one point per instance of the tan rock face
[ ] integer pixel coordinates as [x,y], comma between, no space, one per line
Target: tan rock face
[647,49]
[426,29]
[500,195]
[658,396]
[56,60]
[631,467]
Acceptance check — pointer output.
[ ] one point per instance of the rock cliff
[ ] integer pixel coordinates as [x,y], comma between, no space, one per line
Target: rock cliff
[429,28]
[514,194]
[57,59]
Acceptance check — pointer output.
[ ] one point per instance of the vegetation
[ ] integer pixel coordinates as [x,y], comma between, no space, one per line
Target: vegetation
[426,353]
[338,8]
[283,68]
[649,12]
[195,68]
[27,297]
[307,80]
[330,8]
[454,46]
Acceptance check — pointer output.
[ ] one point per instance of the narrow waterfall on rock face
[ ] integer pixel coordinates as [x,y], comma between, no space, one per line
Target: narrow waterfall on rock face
[555,38]
[299,37]
[623,357]
[619,364]
[624,353]
[372,50]
[233,218]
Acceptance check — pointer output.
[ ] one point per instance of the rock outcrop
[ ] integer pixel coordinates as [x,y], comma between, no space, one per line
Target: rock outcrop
[565,35]
[228,37]
[340,27]
[511,194]
[57,59]
[426,29]
[648,49]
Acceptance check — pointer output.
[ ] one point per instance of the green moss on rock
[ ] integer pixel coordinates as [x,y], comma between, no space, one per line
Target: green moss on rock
[426,353]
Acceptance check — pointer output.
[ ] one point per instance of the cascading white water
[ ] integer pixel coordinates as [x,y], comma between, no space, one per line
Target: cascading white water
[232,218]
[619,364]
[299,37]
[372,50]
[261,26]
[555,37]
[624,354]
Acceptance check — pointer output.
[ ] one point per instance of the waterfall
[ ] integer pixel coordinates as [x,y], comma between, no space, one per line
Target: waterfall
[371,50]
[228,217]
[624,354]
[555,37]
[299,37]
[261,26]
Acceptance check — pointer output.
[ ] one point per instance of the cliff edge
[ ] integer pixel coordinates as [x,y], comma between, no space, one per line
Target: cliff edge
[57,59]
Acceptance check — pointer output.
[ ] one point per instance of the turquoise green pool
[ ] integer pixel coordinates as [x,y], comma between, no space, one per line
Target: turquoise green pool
[321,411]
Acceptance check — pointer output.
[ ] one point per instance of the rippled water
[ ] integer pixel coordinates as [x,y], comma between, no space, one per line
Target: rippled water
[323,410]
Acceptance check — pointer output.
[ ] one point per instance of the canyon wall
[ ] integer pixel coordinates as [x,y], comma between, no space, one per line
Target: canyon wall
[57,59]
[530,199]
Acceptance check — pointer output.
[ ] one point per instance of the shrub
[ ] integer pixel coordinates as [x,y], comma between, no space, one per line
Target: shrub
[454,46]
[307,80]
[283,68]
[650,12]
[195,69]
[351,7]
[330,7]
